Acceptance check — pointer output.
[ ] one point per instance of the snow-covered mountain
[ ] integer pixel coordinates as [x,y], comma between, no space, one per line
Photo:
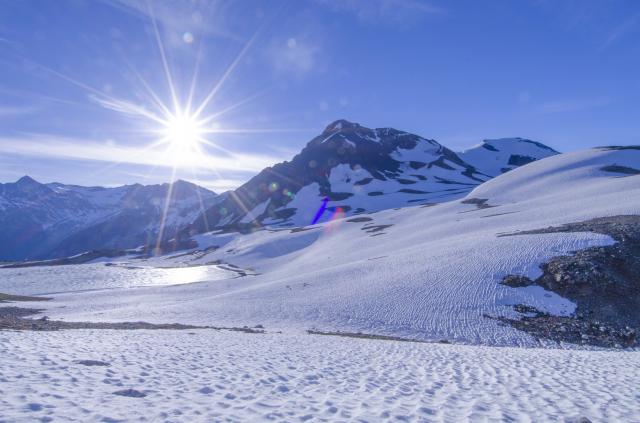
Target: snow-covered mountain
[52,220]
[350,169]
[419,272]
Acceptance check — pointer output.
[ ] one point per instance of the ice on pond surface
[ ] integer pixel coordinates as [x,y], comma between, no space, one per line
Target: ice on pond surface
[86,277]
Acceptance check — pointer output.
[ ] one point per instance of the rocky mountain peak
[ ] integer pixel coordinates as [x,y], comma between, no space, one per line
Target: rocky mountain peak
[356,169]
[24,186]
[342,125]
[27,180]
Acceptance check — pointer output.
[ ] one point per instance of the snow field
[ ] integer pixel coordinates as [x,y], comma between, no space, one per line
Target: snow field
[206,375]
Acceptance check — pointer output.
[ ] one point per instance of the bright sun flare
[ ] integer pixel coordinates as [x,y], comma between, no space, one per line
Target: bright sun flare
[183,131]
[184,135]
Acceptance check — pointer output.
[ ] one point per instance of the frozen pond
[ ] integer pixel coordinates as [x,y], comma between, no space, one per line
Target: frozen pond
[86,277]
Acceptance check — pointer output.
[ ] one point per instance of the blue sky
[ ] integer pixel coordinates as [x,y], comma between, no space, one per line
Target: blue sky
[566,73]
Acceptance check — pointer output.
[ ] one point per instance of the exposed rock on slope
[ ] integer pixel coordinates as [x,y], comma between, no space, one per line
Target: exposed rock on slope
[604,282]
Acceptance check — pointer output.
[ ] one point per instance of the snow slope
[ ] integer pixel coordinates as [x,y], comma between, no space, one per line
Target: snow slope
[420,272]
[206,376]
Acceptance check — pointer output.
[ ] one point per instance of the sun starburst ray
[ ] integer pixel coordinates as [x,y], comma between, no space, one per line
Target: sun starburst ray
[201,201]
[226,75]
[152,94]
[194,77]
[165,212]
[129,108]
[210,118]
[163,56]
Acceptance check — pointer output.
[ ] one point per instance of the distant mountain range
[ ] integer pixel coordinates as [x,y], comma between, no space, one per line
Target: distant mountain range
[351,169]
[346,170]
[55,220]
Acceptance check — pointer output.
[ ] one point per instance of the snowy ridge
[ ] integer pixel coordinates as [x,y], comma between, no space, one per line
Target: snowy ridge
[497,156]
[425,272]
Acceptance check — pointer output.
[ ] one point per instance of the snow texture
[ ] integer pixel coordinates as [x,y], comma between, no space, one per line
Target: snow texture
[207,375]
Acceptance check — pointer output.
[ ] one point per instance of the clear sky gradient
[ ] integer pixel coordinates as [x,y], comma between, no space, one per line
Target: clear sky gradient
[566,73]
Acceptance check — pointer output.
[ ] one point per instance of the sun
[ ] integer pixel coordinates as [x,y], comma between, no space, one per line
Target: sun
[183,131]
[184,136]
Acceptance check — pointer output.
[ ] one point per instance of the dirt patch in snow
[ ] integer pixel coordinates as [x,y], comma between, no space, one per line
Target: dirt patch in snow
[620,147]
[375,228]
[361,335]
[359,219]
[16,318]
[8,297]
[624,170]
[480,203]
[499,214]
[301,229]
